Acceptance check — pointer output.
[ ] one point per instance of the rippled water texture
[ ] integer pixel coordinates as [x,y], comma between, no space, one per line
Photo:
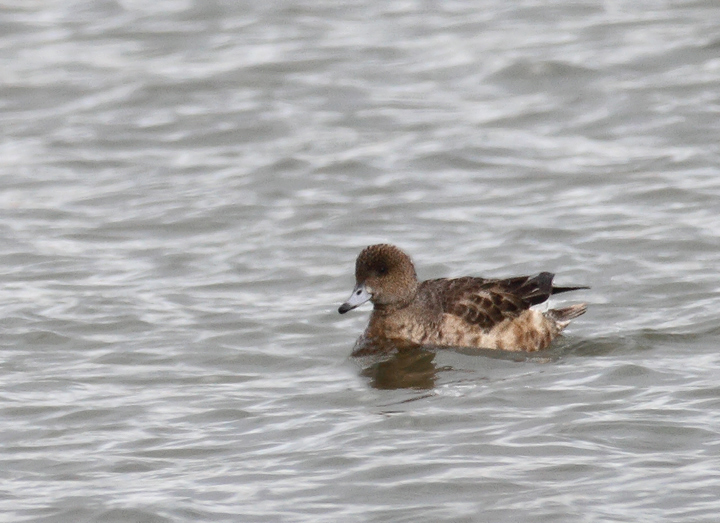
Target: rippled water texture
[185,185]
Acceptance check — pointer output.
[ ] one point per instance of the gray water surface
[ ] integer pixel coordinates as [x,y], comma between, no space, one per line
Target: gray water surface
[184,187]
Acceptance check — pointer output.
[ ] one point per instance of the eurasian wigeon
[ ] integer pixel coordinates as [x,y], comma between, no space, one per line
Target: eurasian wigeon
[462,312]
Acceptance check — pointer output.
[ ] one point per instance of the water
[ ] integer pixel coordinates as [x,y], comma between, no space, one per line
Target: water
[185,185]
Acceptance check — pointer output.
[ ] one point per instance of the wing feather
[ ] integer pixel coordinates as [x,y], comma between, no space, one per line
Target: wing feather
[488,302]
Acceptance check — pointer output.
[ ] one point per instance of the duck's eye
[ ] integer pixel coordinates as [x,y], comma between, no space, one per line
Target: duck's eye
[382,270]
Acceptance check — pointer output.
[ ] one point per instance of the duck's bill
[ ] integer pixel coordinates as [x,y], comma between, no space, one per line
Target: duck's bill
[359,296]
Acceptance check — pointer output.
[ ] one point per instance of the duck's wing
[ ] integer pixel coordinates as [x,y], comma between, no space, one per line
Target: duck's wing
[488,302]
[481,302]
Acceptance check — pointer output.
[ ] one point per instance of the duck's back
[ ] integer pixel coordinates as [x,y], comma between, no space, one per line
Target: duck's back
[495,313]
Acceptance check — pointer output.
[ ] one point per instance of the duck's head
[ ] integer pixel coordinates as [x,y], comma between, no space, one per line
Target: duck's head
[385,275]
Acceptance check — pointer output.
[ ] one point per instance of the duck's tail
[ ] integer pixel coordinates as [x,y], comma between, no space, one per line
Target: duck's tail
[563,316]
[558,290]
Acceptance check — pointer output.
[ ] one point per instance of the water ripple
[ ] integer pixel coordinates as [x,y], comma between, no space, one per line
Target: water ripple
[184,188]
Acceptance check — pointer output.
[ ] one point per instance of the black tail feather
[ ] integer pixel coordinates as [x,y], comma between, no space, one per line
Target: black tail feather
[534,289]
[544,288]
[558,290]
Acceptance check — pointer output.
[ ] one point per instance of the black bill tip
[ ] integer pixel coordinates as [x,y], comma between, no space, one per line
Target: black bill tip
[344,308]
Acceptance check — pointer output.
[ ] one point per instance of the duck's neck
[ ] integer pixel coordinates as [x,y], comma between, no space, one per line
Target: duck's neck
[384,309]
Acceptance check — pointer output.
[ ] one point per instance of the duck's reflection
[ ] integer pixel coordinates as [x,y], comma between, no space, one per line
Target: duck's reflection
[403,370]
[392,365]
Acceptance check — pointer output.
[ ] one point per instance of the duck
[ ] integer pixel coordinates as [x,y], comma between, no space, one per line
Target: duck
[467,312]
